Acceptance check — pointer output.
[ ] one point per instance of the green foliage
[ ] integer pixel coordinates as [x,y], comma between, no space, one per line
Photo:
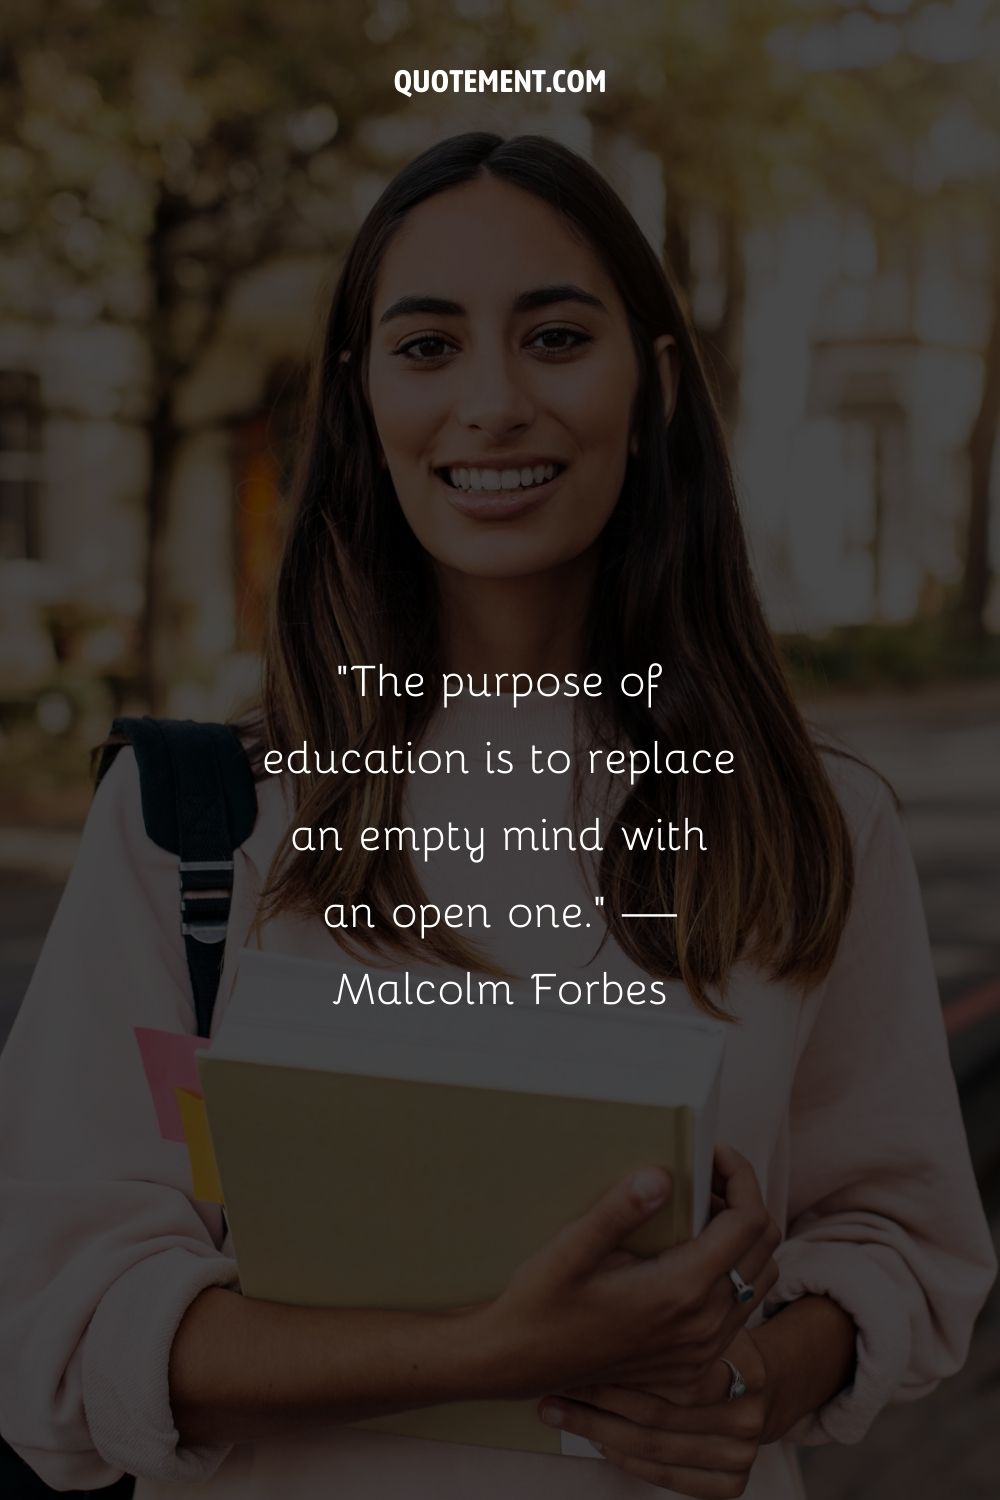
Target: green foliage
[912,654]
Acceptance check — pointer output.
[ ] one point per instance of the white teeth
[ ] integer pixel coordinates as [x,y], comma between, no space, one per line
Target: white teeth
[501,479]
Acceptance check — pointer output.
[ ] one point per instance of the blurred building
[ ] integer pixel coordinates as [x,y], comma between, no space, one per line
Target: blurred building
[862,377]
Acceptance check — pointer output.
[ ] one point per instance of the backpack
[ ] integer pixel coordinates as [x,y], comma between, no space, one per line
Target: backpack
[199,801]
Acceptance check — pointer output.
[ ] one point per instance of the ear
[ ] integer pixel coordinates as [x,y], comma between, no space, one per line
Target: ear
[668,364]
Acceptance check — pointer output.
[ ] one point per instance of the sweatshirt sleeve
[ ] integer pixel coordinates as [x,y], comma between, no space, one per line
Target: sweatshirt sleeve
[102,1249]
[884,1214]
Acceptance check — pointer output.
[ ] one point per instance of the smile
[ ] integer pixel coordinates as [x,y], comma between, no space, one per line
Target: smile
[523,478]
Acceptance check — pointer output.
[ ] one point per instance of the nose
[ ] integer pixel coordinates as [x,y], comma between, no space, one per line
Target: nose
[495,399]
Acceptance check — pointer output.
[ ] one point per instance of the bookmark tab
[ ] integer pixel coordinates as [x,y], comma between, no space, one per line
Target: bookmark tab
[168,1060]
[205,1183]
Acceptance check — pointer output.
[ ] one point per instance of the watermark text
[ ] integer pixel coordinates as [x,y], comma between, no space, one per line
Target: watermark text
[410,81]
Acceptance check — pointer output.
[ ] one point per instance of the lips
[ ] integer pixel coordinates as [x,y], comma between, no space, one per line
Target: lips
[487,493]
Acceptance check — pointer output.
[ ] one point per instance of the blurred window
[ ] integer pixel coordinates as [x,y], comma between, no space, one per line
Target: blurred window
[20,463]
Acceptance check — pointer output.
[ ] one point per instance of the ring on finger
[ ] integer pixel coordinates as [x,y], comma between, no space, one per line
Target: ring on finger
[743,1289]
[737,1385]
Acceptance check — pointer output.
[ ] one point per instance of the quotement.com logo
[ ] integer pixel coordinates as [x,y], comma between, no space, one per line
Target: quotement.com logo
[410,81]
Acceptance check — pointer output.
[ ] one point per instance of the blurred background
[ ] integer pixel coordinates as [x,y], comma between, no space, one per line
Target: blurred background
[178,182]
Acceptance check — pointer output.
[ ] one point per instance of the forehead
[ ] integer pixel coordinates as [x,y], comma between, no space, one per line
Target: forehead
[484,243]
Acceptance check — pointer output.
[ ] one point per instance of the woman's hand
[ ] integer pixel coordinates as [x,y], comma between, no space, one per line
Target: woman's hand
[694,1441]
[571,1316]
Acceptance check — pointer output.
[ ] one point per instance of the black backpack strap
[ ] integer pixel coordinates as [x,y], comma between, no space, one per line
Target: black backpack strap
[199,801]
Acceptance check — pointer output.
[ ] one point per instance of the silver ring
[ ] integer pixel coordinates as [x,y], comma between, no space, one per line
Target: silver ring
[737,1385]
[744,1290]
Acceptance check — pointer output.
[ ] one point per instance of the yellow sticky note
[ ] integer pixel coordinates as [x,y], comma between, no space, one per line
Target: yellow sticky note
[204,1173]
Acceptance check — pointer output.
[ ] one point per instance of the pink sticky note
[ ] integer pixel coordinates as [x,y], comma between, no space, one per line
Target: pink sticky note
[168,1058]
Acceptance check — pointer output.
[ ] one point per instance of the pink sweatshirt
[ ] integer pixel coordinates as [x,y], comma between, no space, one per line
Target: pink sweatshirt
[844,1103]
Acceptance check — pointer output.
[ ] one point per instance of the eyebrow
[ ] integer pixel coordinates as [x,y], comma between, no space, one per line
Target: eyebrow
[548,296]
[538,297]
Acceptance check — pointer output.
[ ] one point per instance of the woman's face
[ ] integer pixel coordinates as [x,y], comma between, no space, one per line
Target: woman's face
[502,377]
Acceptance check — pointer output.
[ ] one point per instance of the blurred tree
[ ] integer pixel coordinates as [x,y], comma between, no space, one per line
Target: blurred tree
[977,573]
[159,151]
[975,203]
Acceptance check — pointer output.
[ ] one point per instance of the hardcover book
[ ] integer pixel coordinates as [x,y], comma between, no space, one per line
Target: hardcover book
[410,1157]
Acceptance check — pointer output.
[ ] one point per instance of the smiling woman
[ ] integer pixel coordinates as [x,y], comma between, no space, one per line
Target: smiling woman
[512,475]
[493,320]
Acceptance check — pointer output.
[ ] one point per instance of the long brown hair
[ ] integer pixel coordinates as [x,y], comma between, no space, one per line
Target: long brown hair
[675,586]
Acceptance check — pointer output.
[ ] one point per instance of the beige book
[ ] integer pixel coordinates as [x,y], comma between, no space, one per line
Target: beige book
[411,1157]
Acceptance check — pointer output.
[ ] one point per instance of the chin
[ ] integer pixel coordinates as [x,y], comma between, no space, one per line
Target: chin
[504,557]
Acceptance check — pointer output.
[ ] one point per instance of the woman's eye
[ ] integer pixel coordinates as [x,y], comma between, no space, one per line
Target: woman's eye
[426,347]
[559,340]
